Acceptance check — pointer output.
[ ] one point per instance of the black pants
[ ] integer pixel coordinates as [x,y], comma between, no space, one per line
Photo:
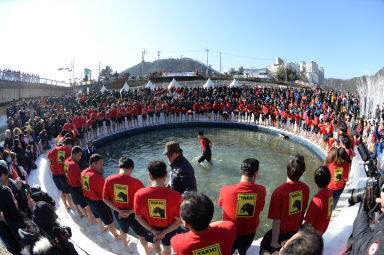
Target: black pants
[206,156]
[265,245]
[242,243]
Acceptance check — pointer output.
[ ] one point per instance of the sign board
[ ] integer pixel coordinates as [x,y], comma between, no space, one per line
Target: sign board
[87,71]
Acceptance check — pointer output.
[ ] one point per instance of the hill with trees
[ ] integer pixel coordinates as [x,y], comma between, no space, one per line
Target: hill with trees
[348,84]
[169,65]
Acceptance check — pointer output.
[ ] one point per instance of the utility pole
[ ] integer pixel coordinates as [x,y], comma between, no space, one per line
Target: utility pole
[158,55]
[99,67]
[142,62]
[220,65]
[73,71]
[181,63]
[207,50]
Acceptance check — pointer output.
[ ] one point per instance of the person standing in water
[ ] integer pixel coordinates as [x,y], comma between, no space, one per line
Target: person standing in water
[206,147]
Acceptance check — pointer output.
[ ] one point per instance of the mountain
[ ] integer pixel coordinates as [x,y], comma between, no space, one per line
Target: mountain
[170,65]
[348,84]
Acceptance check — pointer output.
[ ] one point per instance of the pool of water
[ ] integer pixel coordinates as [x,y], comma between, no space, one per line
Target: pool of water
[230,148]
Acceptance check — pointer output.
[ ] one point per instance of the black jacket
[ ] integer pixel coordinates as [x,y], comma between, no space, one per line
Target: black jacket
[364,240]
[182,176]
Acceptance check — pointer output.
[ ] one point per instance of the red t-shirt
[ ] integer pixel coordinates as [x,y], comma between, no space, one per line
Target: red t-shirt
[93,183]
[58,155]
[288,204]
[217,239]
[331,141]
[196,106]
[72,173]
[158,205]
[242,204]
[338,175]
[297,117]
[90,122]
[113,112]
[202,142]
[121,190]
[52,155]
[100,116]
[67,127]
[284,115]
[77,122]
[320,210]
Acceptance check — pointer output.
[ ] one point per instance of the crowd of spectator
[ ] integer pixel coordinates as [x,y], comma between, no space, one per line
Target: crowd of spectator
[12,75]
[74,121]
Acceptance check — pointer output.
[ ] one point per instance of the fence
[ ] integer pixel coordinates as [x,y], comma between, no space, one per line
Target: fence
[13,76]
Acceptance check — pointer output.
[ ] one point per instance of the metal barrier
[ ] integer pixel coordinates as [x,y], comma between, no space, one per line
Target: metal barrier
[29,78]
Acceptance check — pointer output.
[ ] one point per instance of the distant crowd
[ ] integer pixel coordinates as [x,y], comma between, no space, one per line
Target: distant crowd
[12,75]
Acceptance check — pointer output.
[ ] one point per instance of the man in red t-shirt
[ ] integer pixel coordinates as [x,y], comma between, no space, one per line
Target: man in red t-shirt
[93,183]
[287,207]
[204,237]
[206,146]
[118,193]
[157,208]
[73,174]
[320,209]
[242,204]
[56,158]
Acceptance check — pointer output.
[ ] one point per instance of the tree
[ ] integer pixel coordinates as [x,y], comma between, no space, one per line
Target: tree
[240,71]
[106,74]
[303,77]
[232,71]
[280,73]
[292,74]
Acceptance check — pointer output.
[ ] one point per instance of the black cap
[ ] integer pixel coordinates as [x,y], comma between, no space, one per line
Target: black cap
[3,170]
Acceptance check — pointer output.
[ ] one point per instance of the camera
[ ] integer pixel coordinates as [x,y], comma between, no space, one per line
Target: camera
[372,190]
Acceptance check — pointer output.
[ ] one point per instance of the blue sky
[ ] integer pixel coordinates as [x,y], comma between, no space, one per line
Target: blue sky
[39,36]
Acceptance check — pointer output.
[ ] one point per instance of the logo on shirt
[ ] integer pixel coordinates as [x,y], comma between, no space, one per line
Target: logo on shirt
[121,193]
[330,207]
[338,176]
[210,250]
[86,182]
[295,202]
[246,204]
[50,162]
[66,169]
[373,248]
[60,156]
[157,208]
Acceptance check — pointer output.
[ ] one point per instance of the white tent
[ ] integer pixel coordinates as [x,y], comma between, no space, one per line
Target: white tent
[150,85]
[209,84]
[174,84]
[103,89]
[125,87]
[234,84]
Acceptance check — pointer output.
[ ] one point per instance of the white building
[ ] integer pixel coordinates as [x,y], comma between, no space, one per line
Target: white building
[280,63]
[314,73]
[261,73]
